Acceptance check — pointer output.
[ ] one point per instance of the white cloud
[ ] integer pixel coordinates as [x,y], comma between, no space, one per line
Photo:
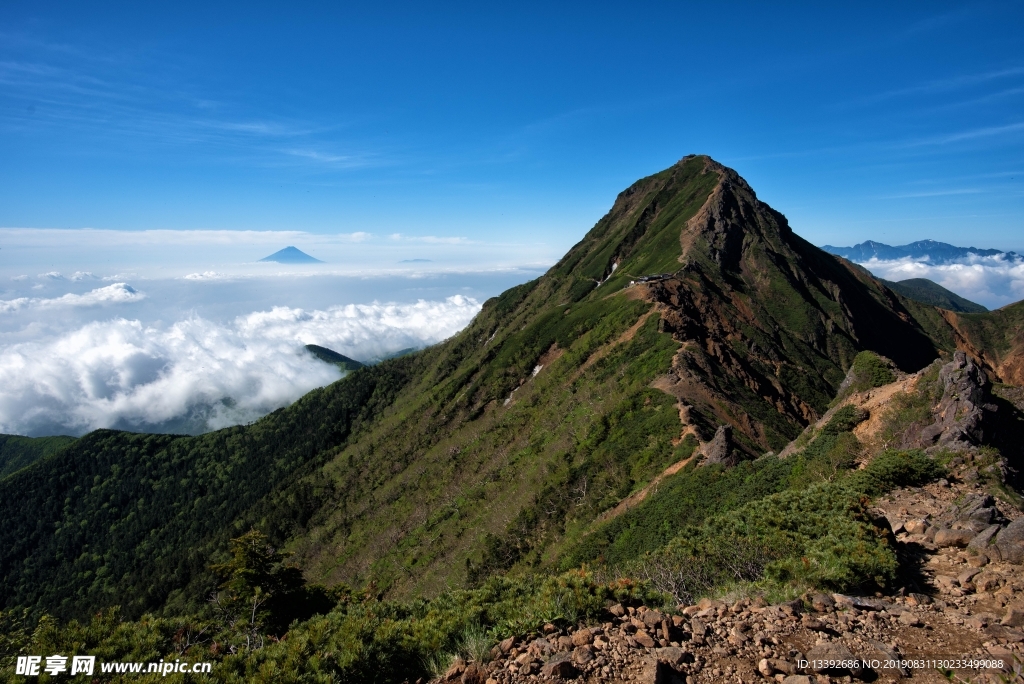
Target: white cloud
[197,374]
[118,293]
[993,281]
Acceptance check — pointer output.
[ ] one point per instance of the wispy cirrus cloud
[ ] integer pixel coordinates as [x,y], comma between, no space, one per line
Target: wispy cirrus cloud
[936,193]
[969,134]
[944,85]
[114,99]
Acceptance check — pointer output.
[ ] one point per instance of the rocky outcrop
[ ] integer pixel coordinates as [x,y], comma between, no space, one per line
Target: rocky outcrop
[720,449]
[961,416]
[976,524]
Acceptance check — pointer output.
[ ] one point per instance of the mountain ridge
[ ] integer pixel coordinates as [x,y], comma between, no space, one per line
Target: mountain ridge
[936,252]
[929,292]
[496,450]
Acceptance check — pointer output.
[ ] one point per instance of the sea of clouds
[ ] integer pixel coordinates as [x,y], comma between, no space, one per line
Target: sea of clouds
[195,374]
[993,281]
[185,332]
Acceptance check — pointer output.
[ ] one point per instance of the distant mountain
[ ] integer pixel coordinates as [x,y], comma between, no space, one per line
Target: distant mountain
[929,292]
[291,255]
[331,356]
[16,452]
[415,261]
[935,252]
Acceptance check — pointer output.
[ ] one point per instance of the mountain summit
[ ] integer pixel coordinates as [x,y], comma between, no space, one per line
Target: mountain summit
[291,255]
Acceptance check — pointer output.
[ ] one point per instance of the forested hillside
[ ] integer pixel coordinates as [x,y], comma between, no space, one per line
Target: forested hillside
[16,452]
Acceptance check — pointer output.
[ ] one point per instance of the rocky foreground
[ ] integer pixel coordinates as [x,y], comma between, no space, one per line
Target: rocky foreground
[963,600]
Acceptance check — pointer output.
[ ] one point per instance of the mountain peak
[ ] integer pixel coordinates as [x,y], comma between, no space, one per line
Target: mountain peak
[291,255]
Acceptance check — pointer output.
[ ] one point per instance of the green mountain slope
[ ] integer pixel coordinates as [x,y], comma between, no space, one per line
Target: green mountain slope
[498,449]
[929,292]
[330,356]
[122,518]
[16,452]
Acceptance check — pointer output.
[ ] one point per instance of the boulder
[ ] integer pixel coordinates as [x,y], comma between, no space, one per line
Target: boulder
[965,577]
[581,655]
[915,526]
[947,537]
[657,671]
[959,413]
[653,618]
[455,671]
[582,637]
[909,619]
[560,665]
[474,674]
[982,539]
[885,653]
[644,639]
[798,679]
[1010,542]
[986,581]
[822,602]
[673,655]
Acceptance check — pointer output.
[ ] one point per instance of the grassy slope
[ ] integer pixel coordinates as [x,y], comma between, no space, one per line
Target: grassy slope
[16,452]
[933,294]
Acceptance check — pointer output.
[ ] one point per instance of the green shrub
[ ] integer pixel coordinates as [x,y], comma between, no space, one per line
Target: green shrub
[359,641]
[819,536]
[871,371]
[893,469]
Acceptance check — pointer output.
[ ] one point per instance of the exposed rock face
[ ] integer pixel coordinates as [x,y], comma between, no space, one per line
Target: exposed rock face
[720,449]
[961,415]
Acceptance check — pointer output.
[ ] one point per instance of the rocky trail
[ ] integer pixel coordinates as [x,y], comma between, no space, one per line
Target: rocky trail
[962,601]
[957,613]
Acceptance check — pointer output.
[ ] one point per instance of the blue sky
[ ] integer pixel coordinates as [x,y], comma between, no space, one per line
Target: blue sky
[433,156]
[511,122]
